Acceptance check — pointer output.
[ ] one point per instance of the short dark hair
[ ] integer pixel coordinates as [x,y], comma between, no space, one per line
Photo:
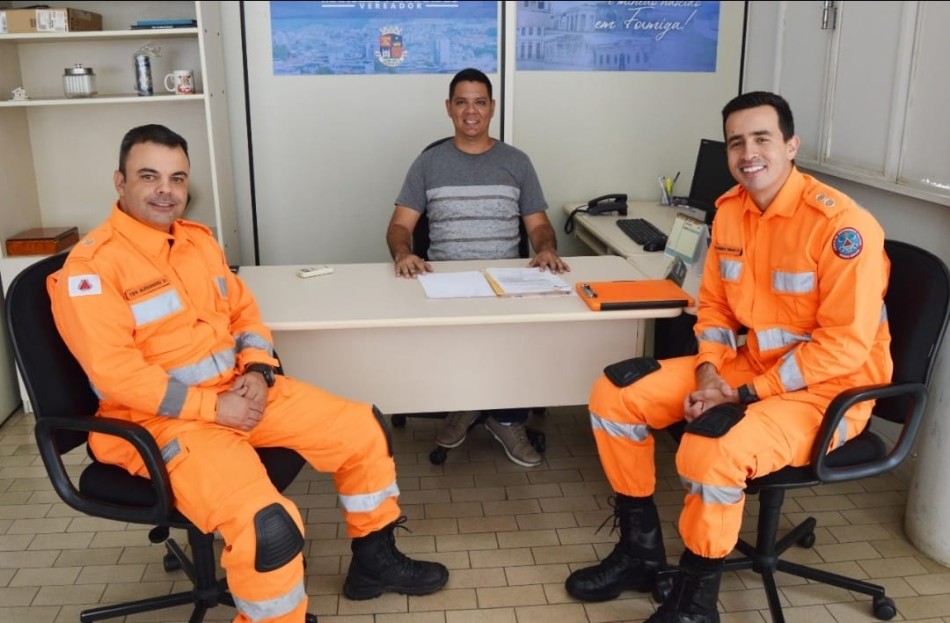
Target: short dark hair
[470,74]
[754,99]
[152,133]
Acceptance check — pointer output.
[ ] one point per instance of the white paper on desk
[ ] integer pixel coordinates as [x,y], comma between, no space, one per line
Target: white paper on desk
[460,285]
[520,281]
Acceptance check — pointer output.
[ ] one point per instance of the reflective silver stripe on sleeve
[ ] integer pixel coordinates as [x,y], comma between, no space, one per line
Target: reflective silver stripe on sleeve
[726,337]
[222,286]
[174,399]
[366,502]
[883,314]
[252,340]
[793,283]
[790,374]
[95,390]
[842,433]
[156,308]
[730,270]
[271,608]
[712,494]
[170,450]
[634,432]
[208,368]
[770,339]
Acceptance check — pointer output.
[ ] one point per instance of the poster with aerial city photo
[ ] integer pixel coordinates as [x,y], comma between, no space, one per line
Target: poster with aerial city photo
[617,36]
[334,38]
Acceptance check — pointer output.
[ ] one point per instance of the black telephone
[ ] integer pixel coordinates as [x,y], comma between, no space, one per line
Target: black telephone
[616,202]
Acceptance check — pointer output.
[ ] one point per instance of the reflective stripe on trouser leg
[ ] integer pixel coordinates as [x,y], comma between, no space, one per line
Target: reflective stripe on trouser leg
[220,484]
[774,433]
[341,437]
[621,419]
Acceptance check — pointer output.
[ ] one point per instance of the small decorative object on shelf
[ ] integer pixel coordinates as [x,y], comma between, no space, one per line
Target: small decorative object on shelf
[19,95]
[42,240]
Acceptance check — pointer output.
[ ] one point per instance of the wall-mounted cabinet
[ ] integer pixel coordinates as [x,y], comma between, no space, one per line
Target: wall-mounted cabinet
[866,90]
[58,154]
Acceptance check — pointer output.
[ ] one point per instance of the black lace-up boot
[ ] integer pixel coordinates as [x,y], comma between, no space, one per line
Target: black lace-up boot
[634,561]
[378,567]
[695,592]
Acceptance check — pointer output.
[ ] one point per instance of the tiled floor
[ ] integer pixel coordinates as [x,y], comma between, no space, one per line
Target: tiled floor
[510,536]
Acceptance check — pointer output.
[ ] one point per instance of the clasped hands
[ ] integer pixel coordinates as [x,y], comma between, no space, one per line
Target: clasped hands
[711,390]
[242,406]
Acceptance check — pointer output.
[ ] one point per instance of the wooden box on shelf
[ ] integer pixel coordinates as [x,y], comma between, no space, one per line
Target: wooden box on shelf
[42,240]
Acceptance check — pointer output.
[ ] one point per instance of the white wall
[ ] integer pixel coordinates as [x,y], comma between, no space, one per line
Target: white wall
[329,184]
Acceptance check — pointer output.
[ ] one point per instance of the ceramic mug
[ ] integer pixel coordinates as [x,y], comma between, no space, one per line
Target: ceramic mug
[180,82]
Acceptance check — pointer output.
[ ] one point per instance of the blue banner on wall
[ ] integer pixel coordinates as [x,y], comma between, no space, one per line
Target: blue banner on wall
[383,37]
[617,36]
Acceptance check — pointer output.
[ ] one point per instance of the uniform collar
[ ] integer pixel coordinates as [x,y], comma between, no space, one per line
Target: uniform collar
[786,201]
[151,240]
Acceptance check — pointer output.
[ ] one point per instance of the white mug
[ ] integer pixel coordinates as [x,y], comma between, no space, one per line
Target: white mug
[182,82]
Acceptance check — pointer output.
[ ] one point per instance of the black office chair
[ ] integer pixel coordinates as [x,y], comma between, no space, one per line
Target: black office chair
[65,406]
[918,298]
[420,246]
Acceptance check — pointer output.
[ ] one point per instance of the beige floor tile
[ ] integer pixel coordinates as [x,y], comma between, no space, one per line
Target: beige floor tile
[509,535]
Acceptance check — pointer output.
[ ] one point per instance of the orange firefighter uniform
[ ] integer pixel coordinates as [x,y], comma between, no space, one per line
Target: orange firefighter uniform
[162,327]
[807,279]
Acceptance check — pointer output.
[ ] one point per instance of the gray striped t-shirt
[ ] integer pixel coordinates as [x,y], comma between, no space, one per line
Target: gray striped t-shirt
[474,201]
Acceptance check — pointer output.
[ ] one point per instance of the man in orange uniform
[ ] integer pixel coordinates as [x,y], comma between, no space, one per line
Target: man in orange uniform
[802,267]
[172,340]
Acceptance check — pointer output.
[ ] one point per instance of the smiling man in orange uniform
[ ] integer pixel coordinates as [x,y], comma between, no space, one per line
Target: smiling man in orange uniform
[172,340]
[802,267]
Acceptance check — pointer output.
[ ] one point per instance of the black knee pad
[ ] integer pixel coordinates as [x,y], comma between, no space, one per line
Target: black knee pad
[278,538]
[629,371]
[384,424]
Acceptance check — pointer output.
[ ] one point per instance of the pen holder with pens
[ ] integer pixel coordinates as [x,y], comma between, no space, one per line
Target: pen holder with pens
[666,188]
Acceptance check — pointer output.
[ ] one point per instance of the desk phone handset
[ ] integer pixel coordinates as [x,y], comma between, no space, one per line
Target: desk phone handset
[608,203]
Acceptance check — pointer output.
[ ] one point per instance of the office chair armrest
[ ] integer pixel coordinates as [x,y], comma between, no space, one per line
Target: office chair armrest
[916,392]
[141,440]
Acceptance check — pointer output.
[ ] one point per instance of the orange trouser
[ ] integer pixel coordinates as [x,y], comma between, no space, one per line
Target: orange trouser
[220,484]
[775,432]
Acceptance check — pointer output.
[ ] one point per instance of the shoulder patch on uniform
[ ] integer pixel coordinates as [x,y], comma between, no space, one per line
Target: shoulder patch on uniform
[84,285]
[847,243]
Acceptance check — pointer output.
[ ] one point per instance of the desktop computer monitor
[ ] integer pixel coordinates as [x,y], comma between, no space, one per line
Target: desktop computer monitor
[711,177]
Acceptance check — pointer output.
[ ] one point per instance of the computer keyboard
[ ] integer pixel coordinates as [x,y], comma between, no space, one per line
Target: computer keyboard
[643,232]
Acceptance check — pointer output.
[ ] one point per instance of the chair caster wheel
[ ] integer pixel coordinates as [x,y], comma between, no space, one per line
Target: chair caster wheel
[398,420]
[438,456]
[537,439]
[884,608]
[807,541]
[170,563]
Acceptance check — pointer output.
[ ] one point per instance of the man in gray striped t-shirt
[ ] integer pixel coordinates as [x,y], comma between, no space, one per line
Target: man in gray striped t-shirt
[475,192]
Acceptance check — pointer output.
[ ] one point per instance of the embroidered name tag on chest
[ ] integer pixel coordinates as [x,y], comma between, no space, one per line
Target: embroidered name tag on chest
[145,288]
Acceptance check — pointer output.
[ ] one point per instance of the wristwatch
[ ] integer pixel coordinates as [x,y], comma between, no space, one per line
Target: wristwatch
[747,394]
[266,370]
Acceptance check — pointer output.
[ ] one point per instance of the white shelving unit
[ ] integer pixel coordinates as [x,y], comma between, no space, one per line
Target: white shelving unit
[57,155]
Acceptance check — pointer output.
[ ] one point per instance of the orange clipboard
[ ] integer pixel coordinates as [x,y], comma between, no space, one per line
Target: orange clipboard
[644,294]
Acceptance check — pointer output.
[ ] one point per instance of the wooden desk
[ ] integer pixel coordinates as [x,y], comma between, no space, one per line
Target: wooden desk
[365,334]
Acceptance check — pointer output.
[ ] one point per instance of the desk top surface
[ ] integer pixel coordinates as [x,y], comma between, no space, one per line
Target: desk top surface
[359,296]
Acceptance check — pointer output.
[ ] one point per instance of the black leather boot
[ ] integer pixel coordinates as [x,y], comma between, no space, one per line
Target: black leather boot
[634,561]
[378,567]
[695,592]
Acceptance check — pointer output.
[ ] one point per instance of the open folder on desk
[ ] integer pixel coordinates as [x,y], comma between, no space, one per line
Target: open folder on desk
[515,281]
[644,294]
